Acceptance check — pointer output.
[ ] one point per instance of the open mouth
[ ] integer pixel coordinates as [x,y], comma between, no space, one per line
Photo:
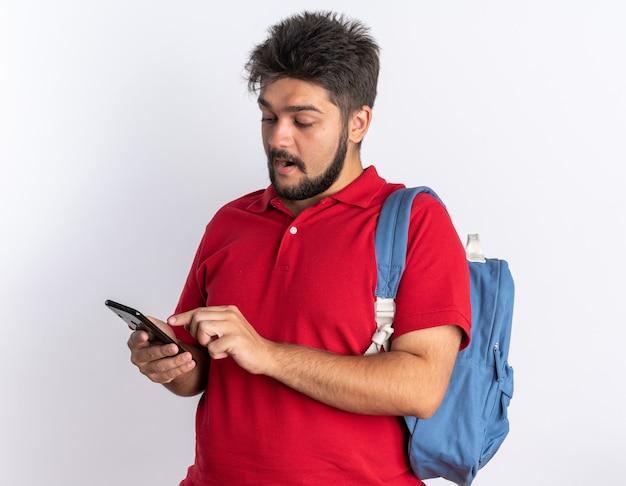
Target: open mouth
[283,160]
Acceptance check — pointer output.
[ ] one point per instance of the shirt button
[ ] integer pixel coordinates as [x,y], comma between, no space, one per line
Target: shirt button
[293,230]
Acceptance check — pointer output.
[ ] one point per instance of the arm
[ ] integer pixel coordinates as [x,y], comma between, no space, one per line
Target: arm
[411,379]
[184,374]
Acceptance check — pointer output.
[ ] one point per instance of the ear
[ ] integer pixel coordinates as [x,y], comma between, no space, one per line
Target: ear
[359,124]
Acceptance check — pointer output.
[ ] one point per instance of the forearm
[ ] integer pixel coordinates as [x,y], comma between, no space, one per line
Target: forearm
[195,381]
[392,383]
[411,379]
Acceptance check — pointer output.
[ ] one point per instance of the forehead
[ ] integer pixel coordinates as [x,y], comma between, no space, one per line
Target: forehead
[290,94]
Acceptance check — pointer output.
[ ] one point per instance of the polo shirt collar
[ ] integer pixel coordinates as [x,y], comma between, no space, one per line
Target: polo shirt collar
[359,193]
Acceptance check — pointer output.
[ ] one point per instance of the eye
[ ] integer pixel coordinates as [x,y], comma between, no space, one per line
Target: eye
[268,119]
[303,123]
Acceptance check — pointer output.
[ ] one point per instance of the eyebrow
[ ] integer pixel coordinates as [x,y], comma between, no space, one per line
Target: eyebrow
[291,108]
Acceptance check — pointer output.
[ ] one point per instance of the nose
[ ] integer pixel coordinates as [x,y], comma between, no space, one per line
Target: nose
[279,134]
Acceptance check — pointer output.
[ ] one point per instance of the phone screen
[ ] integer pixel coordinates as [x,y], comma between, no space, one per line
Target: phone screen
[136,320]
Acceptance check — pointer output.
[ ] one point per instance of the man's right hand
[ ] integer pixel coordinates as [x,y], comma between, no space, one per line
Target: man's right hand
[159,362]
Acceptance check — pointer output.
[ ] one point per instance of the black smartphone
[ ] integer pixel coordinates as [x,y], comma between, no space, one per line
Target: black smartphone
[136,320]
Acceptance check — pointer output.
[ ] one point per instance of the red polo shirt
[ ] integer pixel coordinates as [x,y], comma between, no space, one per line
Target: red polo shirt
[310,280]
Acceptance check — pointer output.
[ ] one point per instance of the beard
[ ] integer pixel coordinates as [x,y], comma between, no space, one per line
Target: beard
[309,187]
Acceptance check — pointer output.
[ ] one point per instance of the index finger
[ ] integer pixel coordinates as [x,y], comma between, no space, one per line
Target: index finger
[186,318]
[181,319]
[137,339]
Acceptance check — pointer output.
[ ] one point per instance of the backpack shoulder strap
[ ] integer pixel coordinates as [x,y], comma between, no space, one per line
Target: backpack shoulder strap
[392,233]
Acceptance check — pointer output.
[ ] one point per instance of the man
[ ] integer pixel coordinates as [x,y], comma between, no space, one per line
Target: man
[278,307]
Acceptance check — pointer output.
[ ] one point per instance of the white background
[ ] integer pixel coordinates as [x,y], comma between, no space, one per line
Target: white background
[126,124]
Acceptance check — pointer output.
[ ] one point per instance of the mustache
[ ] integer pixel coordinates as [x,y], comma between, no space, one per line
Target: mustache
[285,156]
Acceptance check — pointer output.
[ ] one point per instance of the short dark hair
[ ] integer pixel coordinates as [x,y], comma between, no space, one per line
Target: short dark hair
[323,48]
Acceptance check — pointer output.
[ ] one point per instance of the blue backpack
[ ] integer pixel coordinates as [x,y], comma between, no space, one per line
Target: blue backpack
[471,423]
